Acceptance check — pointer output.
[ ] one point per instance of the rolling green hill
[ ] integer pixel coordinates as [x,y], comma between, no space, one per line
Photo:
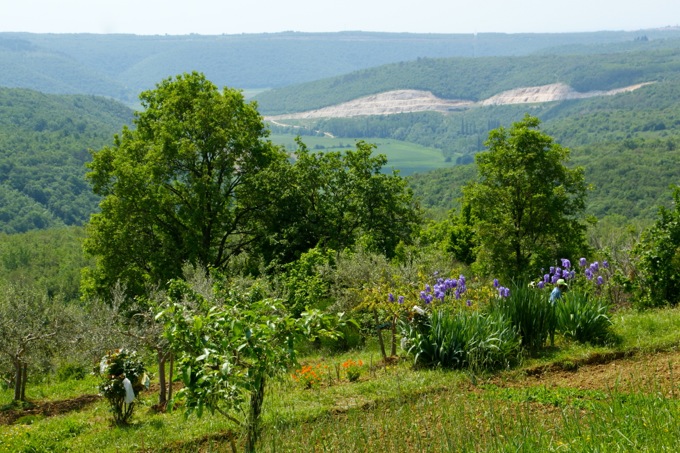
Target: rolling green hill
[44,143]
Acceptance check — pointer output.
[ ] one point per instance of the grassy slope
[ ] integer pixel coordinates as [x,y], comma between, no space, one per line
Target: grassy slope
[406,157]
[397,408]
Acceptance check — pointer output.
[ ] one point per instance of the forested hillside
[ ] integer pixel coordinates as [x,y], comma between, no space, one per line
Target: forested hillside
[120,66]
[44,144]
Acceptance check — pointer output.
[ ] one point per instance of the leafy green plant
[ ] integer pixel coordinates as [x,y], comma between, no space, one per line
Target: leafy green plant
[659,258]
[123,376]
[529,313]
[461,339]
[229,345]
[583,317]
[352,369]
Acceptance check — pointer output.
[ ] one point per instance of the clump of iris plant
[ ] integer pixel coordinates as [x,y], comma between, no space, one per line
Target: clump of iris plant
[590,271]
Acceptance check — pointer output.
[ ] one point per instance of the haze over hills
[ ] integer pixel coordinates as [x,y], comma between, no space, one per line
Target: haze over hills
[121,66]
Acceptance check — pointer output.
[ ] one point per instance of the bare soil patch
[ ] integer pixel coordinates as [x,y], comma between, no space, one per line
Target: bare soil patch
[649,372]
[47,408]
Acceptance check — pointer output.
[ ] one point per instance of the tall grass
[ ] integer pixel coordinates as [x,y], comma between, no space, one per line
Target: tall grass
[486,420]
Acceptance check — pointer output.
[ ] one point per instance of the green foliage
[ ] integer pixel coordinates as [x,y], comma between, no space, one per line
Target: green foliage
[461,339]
[51,260]
[180,187]
[304,286]
[335,199]
[228,346]
[115,369]
[584,318]
[526,203]
[43,147]
[658,256]
[530,314]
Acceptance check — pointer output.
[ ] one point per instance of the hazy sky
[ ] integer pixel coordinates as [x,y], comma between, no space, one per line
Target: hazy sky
[211,17]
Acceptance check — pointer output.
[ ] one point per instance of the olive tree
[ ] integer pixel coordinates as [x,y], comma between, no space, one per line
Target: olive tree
[31,324]
[527,203]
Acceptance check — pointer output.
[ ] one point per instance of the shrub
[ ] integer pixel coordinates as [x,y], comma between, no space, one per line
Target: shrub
[583,318]
[115,368]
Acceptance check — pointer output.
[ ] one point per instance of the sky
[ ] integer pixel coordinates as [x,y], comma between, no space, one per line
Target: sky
[215,17]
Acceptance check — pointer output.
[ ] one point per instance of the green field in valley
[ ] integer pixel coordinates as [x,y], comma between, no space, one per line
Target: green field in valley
[406,157]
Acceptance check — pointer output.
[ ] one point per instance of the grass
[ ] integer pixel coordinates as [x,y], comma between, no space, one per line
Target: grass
[397,408]
[406,157]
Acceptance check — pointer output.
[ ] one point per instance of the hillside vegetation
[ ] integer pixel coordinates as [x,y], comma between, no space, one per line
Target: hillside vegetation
[44,144]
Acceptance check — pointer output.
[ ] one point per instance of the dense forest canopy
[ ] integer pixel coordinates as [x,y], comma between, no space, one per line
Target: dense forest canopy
[44,144]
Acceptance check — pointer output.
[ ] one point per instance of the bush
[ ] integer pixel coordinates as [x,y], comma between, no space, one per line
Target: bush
[75,371]
[461,339]
[583,318]
[115,368]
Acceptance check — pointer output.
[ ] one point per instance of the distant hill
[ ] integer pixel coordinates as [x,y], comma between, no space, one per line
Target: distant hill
[121,66]
[44,143]
[619,112]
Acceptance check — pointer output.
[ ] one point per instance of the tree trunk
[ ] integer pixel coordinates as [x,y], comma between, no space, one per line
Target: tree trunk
[162,401]
[380,338]
[24,378]
[170,375]
[256,400]
[18,372]
[394,337]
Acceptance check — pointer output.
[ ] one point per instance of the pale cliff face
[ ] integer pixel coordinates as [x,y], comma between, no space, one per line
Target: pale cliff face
[405,101]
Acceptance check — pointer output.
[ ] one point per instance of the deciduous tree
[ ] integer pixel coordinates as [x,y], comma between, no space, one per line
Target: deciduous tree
[180,187]
[527,202]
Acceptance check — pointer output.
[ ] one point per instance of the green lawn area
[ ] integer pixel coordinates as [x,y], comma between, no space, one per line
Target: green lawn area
[406,157]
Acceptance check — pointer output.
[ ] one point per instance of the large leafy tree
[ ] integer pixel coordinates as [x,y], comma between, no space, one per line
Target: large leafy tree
[180,187]
[526,201]
[333,200]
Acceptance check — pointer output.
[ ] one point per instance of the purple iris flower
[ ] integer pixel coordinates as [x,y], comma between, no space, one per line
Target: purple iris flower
[595,266]
[423,295]
[401,299]
[554,279]
[427,288]
[495,283]
[546,278]
[589,273]
[605,264]
[566,263]
[582,262]
[600,280]
[558,271]
[390,297]
[541,284]
[469,303]
[552,270]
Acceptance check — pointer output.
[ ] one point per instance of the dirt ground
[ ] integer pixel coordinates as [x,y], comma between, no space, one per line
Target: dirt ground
[658,372]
